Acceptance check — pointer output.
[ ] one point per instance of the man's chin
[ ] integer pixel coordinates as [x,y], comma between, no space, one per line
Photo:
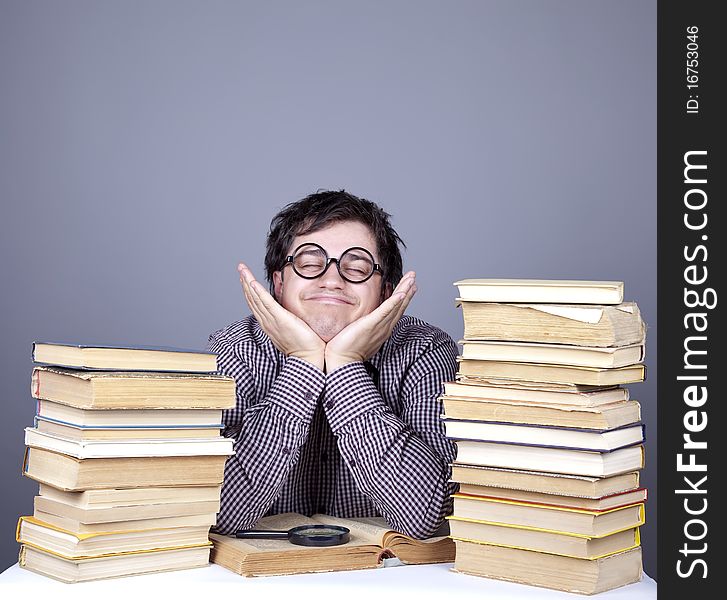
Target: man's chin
[327,328]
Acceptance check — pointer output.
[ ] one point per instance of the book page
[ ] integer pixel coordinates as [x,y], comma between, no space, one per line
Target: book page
[369,529]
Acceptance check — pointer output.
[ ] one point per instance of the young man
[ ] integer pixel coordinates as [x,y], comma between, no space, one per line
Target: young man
[337,392]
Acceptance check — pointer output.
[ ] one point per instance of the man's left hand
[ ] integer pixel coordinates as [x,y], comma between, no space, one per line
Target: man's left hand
[361,339]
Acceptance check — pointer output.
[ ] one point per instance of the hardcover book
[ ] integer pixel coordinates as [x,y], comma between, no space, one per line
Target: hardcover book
[549,542]
[545,435]
[580,486]
[551,373]
[133,390]
[553,460]
[579,325]
[605,416]
[124,358]
[116,565]
[73,474]
[549,517]
[575,575]
[541,290]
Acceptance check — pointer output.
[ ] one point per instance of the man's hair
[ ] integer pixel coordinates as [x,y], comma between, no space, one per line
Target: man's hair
[318,211]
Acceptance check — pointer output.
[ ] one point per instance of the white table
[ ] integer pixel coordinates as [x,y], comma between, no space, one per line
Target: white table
[215,583]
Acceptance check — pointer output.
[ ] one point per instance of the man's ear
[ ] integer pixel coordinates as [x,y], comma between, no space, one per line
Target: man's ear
[278,284]
[386,290]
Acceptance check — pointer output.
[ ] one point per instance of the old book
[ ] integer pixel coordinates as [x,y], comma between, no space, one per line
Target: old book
[124,358]
[81,434]
[128,417]
[552,373]
[555,354]
[550,542]
[111,498]
[545,483]
[136,447]
[371,541]
[127,390]
[78,527]
[47,537]
[606,416]
[73,474]
[579,325]
[541,290]
[538,393]
[548,517]
[545,435]
[552,460]
[576,575]
[609,501]
[112,514]
[117,565]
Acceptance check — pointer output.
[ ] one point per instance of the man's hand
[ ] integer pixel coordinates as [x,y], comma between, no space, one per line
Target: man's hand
[361,339]
[290,334]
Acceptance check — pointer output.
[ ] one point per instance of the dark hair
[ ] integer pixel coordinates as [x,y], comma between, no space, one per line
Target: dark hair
[318,211]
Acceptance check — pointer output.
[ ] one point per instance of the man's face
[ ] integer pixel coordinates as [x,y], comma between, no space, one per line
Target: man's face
[329,303]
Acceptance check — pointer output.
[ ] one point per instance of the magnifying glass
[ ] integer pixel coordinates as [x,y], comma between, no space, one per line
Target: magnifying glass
[304,535]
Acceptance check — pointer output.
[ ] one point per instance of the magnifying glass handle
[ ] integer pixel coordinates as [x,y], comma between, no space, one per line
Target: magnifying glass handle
[262,534]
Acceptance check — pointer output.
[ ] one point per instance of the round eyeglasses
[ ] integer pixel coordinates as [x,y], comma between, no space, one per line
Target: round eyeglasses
[355,265]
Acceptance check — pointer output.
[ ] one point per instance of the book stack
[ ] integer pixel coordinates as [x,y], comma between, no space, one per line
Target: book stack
[549,443]
[128,453]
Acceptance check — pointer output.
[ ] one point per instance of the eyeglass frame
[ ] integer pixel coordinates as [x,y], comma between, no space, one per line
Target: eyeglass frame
[329,260]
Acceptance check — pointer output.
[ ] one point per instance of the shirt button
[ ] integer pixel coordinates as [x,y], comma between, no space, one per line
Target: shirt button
[351,463]
[308,396]
[286,450]
[330,404]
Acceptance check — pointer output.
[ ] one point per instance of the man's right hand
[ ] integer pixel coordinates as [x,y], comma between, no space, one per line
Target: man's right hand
[290,334]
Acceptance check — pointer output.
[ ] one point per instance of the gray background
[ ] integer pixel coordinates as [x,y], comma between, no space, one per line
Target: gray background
[144,147]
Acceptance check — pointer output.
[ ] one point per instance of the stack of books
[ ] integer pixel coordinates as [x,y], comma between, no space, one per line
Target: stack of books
[549,443]
[128,453]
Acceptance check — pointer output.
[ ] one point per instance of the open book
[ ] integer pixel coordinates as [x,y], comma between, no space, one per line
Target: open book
[372,540]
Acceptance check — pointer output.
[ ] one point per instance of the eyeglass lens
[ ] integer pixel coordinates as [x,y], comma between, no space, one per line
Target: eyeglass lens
[355,264]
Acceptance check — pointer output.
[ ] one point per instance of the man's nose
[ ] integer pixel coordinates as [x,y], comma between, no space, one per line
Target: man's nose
[332,278]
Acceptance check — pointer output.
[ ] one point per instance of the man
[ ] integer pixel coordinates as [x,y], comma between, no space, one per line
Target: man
[337,392]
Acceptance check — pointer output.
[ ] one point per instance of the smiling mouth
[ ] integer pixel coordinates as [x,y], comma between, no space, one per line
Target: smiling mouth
[329,300]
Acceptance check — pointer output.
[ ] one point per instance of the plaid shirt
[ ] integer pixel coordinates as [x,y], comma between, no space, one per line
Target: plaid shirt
[364,440]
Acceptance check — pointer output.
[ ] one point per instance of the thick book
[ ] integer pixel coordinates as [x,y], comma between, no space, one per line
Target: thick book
[576,575]
[606,416]
[113,514]
[552,460]
[581,486]
[130,497]
[526,538]
[606,502]
[537,393]
[124,358]
[81,528]
[73,474]
[605,326]
[128,417]
[371,541]
[548,517]
[118,565]
[70,545]
[552,373]
[545,435]
[567,291]
[555,354]
[133,390]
